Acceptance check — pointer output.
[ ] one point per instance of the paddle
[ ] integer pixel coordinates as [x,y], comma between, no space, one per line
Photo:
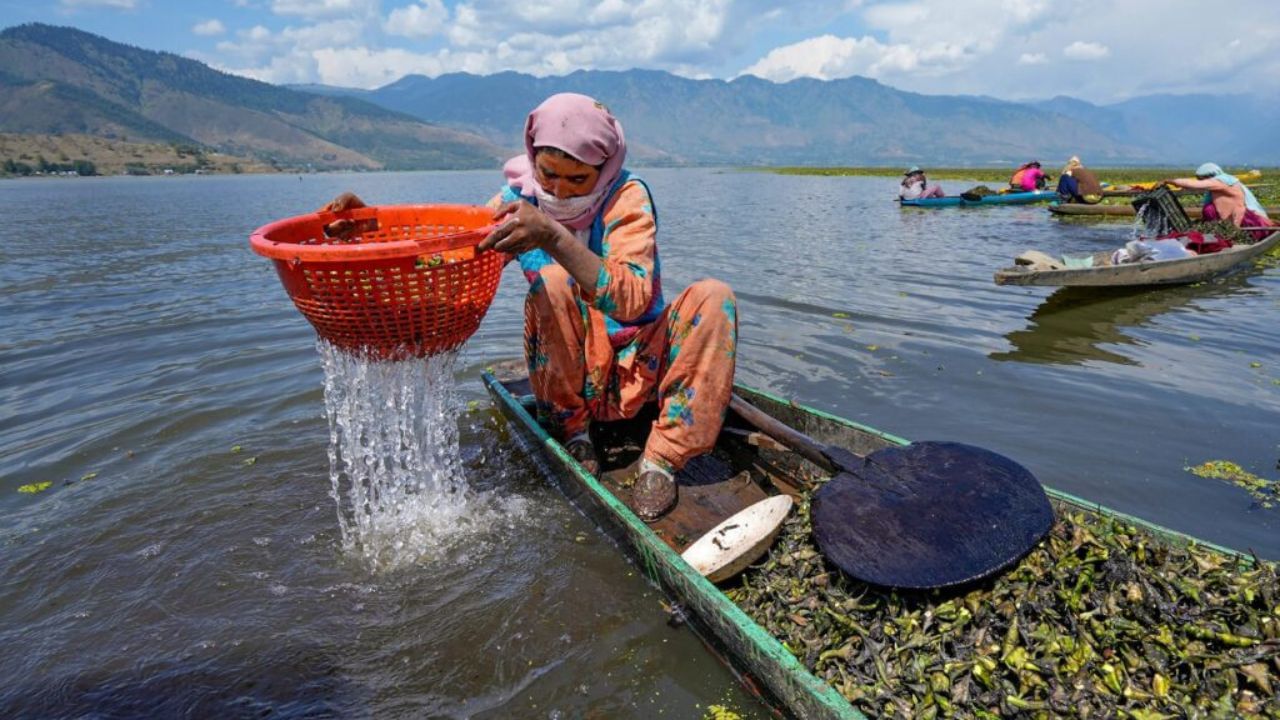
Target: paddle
[920,516]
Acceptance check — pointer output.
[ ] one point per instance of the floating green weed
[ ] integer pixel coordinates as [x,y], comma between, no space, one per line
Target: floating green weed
[1266,492]
[34,488]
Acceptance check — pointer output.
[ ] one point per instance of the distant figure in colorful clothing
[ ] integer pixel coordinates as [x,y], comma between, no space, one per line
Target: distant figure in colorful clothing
[1078,184]
[1226,198]
[1028,177]
[916,186]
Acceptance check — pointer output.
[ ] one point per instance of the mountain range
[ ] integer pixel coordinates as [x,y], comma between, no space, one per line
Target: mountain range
[56,80]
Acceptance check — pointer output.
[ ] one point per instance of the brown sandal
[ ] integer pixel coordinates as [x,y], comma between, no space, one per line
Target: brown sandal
[585,453]
[654,494]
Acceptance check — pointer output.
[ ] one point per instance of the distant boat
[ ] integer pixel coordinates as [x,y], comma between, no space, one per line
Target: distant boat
[1013,198]
[1152,272]
[1115,192]
[1082,209]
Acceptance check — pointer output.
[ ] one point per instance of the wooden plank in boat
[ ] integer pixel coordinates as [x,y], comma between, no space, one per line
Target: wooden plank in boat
[704,500]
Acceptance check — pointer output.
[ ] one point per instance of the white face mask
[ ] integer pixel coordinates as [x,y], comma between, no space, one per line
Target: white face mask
[563,209]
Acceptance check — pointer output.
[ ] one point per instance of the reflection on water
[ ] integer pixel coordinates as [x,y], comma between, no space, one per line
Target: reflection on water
[1072,324]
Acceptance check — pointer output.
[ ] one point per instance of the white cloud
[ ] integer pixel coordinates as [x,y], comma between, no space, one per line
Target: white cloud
[554,37]
[923,39]
[421,19]
[116,4]
[978,24]
[830,57]
[323,8]
[209,27]
[1080,50]
[257,33]
[1005,48]
[823,57]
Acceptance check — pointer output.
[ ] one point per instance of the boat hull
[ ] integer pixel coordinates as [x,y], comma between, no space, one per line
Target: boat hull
[1164,272]
[758,657]
[1082,209]
[747,647]
[1019,198]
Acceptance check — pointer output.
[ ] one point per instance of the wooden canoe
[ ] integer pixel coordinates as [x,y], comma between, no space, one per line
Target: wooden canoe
[742,468]
[1162,272]
[1128,193]
[1082,209]
[1013,198]
[1115,192]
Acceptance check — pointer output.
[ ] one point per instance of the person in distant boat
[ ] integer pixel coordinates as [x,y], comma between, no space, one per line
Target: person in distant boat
[1028,177]
[1078,184]
[599,340]
[1226,198]
[916,186]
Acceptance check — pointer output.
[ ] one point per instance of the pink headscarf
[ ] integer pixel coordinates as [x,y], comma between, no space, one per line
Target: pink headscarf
[580,126]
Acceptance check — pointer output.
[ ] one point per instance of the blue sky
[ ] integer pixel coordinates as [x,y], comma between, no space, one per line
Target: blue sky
[1102,51]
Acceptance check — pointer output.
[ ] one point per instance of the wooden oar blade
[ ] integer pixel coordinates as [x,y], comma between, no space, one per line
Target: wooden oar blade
[929,515]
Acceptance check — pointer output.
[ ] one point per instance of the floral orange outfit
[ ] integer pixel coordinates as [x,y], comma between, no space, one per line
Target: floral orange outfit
[603,352]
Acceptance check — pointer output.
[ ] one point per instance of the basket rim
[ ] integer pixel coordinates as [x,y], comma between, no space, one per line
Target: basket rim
[260,242]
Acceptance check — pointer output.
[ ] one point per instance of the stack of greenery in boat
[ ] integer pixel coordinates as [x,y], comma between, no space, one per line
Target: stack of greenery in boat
[1101,619]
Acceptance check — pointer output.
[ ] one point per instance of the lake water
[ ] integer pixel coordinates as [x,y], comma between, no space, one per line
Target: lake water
[165,573]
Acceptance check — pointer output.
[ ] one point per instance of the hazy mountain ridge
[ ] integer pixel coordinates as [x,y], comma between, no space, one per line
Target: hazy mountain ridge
[73,81]
[1227,128]
[57,80]
[751,121]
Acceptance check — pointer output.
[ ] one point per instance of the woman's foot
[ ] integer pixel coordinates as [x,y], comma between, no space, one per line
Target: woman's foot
[654,492]
[580,448]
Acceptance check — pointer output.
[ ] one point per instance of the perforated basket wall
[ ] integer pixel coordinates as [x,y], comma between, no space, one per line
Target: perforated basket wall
[409,283]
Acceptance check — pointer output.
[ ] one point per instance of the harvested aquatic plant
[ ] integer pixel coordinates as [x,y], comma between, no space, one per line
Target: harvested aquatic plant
[1227,229]
[1101,619]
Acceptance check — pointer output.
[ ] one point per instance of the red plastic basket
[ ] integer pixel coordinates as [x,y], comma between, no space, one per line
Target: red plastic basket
[409,283]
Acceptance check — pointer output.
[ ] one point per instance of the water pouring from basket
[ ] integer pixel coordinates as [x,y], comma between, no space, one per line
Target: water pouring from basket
[392,298]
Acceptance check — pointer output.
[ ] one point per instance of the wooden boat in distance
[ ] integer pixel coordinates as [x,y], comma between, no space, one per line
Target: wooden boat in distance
[1012,198]
[1135,192]
[1082,209]
[740,469]
[1158,272]
[1114,192]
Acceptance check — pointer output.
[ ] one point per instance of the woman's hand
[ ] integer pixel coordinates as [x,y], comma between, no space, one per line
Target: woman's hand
[342,229]
[525,228]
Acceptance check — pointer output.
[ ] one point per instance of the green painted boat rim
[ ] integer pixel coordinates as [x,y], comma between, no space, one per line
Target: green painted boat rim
[652,549]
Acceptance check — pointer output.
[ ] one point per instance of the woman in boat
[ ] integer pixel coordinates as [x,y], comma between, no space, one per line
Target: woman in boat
[1078,184]
[1226,198]
[1028,177]
[599,340]
[916,186]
